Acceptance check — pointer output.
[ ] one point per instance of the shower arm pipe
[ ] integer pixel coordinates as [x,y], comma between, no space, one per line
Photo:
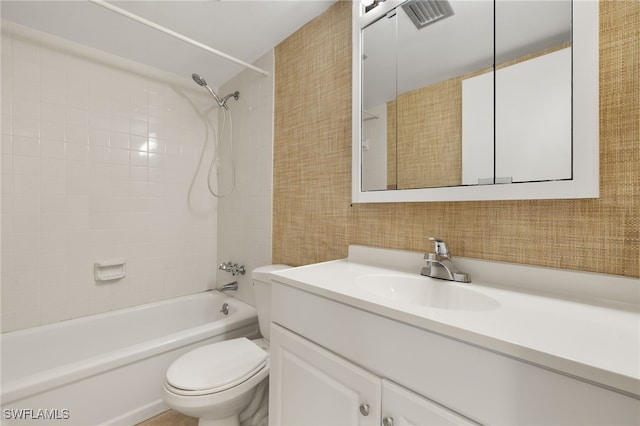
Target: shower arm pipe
[179,36]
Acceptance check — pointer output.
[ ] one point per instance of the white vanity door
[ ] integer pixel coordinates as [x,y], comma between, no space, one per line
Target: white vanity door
[312,386]
[401,407]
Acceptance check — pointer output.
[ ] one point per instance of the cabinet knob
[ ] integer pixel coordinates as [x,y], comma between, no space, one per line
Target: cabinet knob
[387,421]
[364,409]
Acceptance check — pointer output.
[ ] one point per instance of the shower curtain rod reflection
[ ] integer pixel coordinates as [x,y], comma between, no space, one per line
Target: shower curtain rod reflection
[176,35]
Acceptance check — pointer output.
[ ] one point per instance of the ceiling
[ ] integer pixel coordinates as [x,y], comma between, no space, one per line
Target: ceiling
[241,28]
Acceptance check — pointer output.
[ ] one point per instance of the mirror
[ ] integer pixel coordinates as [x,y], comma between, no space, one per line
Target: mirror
[447,111]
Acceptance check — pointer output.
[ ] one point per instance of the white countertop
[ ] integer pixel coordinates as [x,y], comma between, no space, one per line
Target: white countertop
[599,343]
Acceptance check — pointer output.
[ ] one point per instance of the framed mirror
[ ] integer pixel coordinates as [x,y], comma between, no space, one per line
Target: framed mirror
[481,102]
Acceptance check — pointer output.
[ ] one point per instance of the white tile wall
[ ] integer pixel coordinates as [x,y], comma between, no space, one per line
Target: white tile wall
[244,217]
[97,158]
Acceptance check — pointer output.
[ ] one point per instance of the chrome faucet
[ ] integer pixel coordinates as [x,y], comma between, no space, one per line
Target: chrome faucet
[234,268]
[227,287]
[439,264]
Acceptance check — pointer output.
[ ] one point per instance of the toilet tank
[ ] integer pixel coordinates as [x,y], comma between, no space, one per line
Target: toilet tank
[262,291]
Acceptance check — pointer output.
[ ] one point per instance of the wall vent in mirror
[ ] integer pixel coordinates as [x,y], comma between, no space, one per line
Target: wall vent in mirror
[425,12]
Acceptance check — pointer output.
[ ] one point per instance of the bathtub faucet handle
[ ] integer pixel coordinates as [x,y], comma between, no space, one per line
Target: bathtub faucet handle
[238,269]
[234,268]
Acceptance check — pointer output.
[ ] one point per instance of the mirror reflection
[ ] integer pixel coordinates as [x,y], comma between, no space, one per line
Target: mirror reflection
[447,104]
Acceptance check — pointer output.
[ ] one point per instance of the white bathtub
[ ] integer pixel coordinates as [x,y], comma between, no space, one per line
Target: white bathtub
[109,368]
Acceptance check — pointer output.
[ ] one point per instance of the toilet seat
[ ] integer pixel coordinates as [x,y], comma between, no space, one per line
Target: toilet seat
[215,367]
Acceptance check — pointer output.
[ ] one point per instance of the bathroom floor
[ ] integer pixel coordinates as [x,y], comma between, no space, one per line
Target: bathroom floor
[170,418]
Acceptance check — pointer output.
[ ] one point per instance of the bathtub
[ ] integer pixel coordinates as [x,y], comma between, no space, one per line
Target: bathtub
[108,368]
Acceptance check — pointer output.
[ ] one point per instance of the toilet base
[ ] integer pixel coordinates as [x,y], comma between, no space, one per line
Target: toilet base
[227,421]
[229,405]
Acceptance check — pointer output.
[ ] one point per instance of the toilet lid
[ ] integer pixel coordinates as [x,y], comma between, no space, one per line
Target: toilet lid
[217,367]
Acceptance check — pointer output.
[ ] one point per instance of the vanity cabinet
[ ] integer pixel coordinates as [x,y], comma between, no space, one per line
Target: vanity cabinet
[310,385]
[313,386]
[317,343]
[401,407]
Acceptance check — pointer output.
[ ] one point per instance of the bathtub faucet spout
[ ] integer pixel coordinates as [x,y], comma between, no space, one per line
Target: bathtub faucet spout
[230,286]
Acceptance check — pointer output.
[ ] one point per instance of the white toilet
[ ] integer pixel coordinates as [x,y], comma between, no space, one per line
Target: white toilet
[218,381]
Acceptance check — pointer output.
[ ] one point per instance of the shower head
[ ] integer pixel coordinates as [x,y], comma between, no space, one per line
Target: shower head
[198,79]
[221,102]
[202,82]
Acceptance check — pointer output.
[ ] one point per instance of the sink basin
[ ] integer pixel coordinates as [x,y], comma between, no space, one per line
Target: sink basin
[423,291]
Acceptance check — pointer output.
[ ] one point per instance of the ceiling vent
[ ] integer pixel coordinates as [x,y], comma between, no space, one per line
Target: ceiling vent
[425,12]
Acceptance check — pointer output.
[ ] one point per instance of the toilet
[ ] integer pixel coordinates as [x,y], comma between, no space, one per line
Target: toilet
[219,381]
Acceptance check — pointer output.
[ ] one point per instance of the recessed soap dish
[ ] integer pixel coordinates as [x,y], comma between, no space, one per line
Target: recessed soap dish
[109,270]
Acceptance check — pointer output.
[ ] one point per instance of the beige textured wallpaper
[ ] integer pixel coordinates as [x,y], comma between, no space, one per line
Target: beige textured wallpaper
[432,113]
[392,142]
[315,221]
